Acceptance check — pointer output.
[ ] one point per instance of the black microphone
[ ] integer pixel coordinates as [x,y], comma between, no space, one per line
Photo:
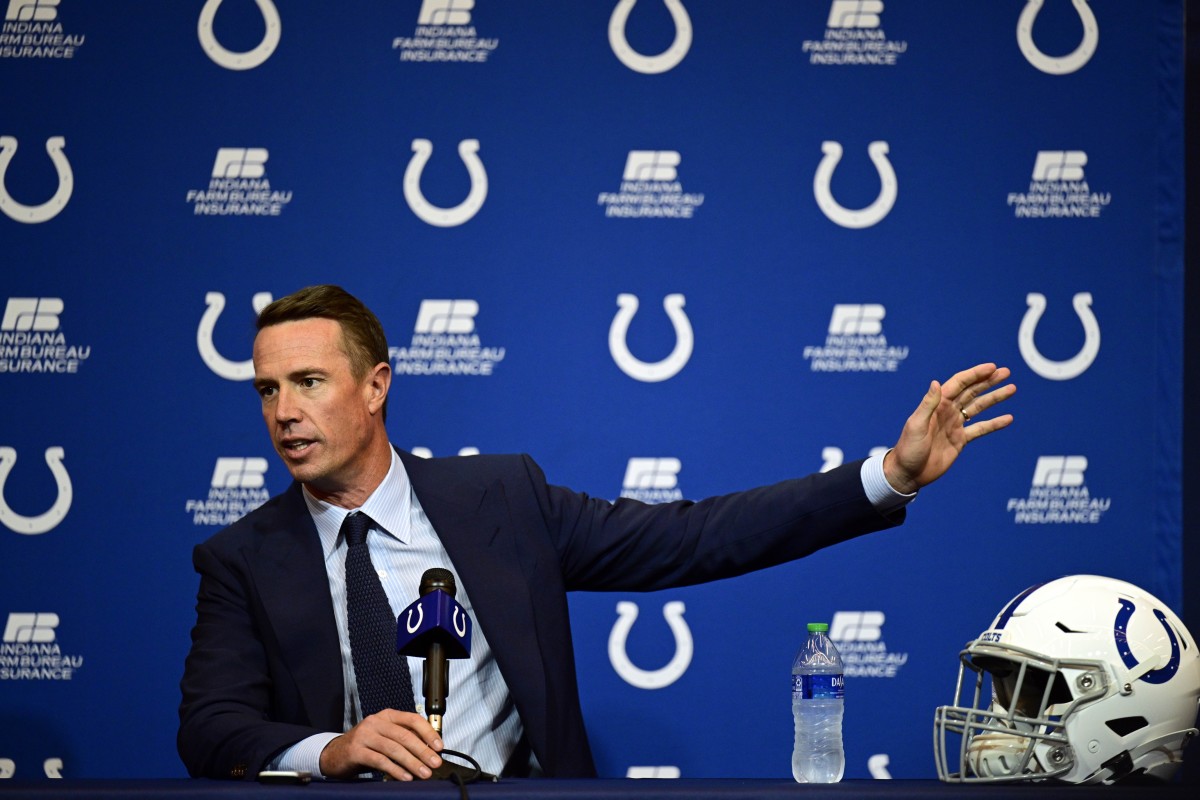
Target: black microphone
[435,628]
[436,682]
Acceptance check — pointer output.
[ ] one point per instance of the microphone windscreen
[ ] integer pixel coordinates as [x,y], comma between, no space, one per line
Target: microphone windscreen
[438,578]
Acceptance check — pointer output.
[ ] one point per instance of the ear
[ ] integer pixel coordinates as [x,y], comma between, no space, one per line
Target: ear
[376,386]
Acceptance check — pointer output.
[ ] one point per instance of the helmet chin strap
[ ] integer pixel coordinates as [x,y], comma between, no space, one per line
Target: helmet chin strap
[1000,755]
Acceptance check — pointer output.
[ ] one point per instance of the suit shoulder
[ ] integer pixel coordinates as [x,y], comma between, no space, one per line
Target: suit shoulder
[267,516]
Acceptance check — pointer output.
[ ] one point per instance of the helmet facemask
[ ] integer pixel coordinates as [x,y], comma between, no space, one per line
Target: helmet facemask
[1015,727]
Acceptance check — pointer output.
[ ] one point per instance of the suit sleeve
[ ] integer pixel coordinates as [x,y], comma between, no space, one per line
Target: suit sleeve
[225,725]
[632,546]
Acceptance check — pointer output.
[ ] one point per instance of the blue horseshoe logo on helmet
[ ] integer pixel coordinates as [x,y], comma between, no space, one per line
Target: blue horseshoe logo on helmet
[1160,675]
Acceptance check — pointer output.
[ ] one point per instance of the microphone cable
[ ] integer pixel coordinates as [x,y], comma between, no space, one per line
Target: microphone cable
[458,773]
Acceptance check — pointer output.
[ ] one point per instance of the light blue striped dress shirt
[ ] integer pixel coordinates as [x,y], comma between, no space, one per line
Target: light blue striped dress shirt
[481,719]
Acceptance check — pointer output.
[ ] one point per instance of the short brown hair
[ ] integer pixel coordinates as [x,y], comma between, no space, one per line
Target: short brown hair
[362,334]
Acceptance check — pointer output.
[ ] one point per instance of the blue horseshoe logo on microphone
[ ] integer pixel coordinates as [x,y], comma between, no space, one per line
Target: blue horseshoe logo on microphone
[1120,628]
[408,624]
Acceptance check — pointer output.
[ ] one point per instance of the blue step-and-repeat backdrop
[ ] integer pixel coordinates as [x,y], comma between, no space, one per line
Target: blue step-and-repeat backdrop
[671,249]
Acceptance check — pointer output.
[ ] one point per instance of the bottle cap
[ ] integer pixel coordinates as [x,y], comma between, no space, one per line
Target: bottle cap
[823,627]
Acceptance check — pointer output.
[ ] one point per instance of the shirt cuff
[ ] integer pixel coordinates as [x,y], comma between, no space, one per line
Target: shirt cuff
[881,493]
[304,755]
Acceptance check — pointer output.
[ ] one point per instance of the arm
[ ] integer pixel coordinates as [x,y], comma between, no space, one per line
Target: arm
[631,546]
[225,724]
[627,545]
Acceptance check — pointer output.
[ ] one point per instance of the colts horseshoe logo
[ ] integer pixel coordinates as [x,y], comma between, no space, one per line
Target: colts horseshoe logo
[58,510]
[865,217]
[249,59]
[650,65]
[50,208]
[229,370]
[408,623]
[1072,367]
[1061,65]
[661,370]
[627,613]
[1120,628]
[468,151]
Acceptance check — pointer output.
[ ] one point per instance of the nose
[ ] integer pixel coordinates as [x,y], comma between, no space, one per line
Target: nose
[286,406]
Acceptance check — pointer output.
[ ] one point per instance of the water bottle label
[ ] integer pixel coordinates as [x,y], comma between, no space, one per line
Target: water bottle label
[819,687]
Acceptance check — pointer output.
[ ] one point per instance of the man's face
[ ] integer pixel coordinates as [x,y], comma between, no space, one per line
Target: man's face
[320,417]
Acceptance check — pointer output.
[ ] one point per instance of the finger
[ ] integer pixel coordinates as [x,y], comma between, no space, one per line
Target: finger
[412,741]
[928,406]
[362,749]
[415,725]
[984,381]
[388,756]
[986,426]
[979,388]
[984,402]
[960,381]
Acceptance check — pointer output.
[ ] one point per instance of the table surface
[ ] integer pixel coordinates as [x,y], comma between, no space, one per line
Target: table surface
[593,789]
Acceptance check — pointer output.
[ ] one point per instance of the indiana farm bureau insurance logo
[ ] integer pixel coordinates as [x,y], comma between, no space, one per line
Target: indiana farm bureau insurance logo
[31,30]
[650,188]
[855,342]
[239,187]
[854,36]
[32,339]
[30,649]
[444,33]
[444,342]
[1059,495]
[237,488]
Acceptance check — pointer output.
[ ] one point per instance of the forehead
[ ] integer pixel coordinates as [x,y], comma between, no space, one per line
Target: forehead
[297,344]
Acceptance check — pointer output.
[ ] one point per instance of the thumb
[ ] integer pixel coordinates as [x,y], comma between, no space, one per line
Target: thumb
[930,401]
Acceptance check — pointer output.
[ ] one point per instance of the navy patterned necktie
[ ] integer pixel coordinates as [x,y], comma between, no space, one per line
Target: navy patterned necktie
[381,674]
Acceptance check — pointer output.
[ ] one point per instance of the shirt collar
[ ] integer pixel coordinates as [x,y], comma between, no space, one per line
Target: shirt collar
[389,505]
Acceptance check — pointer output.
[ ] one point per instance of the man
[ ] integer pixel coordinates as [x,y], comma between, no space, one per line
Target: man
[270,681]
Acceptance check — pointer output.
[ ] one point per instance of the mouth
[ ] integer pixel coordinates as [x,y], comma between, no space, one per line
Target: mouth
[295,447]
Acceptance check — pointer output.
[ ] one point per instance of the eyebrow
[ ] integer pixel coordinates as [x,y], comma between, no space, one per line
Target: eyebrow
[294,375]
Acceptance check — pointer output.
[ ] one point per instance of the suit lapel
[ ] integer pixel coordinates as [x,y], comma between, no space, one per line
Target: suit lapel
[289,573]
[475,527]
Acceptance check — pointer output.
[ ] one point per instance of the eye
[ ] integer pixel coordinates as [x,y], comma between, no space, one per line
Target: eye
[266,392]
[310,382]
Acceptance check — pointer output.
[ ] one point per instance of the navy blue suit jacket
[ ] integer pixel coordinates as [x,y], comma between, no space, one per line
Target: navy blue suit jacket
[265,669]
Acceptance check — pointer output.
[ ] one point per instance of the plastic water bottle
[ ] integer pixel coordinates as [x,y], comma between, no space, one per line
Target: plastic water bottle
[818,689]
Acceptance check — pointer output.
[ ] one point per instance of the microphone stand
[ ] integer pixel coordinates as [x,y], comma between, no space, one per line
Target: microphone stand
[436,683]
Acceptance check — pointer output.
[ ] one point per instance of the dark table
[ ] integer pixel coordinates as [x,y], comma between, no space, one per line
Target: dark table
[597,789]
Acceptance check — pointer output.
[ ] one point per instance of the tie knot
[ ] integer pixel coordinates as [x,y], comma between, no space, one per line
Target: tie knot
[355,527]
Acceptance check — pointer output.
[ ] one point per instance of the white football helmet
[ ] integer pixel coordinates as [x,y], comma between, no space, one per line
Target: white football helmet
[1093,680]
